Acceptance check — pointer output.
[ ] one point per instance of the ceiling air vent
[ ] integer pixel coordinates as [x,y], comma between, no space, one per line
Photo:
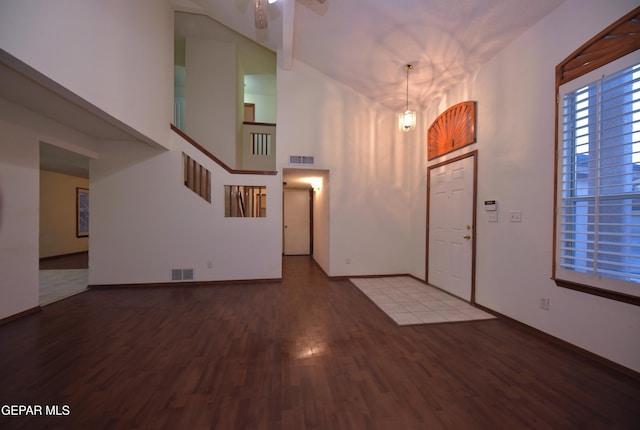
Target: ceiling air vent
[299,160]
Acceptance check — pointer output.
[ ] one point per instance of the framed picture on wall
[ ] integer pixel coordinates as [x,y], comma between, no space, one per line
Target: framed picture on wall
[82,212]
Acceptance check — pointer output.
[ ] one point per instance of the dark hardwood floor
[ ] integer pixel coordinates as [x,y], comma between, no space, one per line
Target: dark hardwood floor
[306,353]
[77,260]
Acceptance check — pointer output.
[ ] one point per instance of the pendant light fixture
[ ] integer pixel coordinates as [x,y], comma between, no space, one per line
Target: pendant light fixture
[407,119]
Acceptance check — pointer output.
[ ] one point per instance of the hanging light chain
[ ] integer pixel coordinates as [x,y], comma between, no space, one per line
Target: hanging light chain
[408,67]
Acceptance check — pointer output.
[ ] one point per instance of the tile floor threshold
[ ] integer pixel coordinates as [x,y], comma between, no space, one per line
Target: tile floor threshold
[59,284]
[408,301]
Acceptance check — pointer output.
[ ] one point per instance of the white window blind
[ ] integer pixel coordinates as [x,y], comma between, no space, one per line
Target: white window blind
[599,190]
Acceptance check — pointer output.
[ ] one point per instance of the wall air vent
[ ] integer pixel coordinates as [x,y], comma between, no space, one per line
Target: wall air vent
[176,274]
[298,160]
[187,274]
[182,274]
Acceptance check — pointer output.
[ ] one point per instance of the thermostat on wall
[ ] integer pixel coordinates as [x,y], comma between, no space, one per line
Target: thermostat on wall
[490,205]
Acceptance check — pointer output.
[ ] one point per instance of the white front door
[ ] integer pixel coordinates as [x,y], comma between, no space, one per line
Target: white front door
[451,230]
[297,222]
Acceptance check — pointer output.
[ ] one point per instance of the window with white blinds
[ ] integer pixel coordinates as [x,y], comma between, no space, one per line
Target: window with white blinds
[598,217]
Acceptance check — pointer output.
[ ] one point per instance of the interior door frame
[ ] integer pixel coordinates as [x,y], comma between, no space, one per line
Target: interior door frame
[473,154]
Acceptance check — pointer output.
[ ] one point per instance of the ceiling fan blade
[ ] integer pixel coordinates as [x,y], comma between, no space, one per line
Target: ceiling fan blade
[260,11]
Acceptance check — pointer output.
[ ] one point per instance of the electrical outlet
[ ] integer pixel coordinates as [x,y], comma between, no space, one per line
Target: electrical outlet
[544,303]
[515,216]
[209,264]
[347,260]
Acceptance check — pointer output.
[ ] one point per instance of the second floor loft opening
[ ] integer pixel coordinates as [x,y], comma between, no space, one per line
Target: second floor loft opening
[216,73]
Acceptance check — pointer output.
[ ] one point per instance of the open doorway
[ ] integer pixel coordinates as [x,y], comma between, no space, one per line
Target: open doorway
[64,223]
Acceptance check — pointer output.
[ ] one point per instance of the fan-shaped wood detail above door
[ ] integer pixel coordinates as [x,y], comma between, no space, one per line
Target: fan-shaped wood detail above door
[453,129]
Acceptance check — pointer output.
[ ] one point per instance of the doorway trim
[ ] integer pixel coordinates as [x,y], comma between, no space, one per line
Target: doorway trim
[473,154]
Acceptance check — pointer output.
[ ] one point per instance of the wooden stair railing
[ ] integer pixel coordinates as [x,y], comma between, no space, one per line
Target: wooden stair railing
[216,159]
[196,177]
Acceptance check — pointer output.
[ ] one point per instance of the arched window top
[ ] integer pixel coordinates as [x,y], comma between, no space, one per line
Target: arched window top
[617,40]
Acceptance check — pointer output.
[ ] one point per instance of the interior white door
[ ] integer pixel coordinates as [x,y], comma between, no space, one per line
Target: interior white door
[450,227]
[297,222]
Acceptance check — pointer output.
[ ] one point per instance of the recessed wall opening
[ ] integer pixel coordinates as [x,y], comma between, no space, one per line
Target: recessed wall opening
[64,223]
[245,201]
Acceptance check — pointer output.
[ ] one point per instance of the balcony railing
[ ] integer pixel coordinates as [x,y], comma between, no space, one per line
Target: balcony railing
[258,146]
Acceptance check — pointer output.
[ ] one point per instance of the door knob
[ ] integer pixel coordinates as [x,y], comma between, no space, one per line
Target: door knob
[467,236]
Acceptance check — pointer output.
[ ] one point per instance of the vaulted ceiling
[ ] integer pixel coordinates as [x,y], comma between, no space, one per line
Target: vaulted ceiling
[365,43]
[362,43]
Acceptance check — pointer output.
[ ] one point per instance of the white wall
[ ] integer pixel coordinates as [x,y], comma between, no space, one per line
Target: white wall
[366,157]
[417,207]
[145,222]
[19,176]
[210,96]
[515,95]
[321,223]
[117,54]
[22,132]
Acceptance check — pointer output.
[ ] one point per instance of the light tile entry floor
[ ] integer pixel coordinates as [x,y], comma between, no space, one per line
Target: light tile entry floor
[408,301]
[59,284]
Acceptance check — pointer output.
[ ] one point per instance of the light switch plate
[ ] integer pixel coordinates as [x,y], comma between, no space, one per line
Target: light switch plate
[515,216]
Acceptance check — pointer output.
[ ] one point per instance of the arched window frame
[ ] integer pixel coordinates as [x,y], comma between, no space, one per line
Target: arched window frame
[615,42]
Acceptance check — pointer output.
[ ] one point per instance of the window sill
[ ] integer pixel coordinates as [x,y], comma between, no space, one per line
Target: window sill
[613,295]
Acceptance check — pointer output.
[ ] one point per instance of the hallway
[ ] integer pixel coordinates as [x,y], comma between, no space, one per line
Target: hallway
[307,352]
